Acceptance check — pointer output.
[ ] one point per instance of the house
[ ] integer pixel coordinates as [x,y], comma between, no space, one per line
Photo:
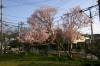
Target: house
[86,39]
[81,41]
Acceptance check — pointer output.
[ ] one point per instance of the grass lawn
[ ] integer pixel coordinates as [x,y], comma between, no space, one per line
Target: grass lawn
[34,59]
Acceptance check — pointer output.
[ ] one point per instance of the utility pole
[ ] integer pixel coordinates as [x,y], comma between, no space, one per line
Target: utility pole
[99,8]
[1,24]
[98,2]
[18,28]
[92,38]
[89,8]
[21,25]
[21,29]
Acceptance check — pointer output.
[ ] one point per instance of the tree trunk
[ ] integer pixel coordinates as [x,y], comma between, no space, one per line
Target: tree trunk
[70,48]
[66,52]
[47,49]
[27,51]
[4,46]
[58,50]
[5,49]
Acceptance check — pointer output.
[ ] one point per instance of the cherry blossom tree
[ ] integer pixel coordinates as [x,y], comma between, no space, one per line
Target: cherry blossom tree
[72,22]
[43,17]
[41,22]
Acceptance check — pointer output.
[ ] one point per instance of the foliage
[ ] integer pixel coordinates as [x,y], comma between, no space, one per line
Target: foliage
[15,44]
[94,48]
[78,48]
[91,63]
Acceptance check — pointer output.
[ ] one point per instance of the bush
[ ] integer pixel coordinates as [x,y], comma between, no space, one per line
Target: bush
[92,63]
[62,58]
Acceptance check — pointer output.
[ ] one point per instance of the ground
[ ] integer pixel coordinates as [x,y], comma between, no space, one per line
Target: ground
[35,59]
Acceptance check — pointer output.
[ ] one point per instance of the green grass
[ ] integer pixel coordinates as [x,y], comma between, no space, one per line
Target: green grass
[34,59]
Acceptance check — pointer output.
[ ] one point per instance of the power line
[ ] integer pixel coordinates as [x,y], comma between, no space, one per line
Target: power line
[64,3]
[23,3]
[26,18]
[59,3]
[28,2]
[74,3]
[23,17]
[84,2]
[62,9]
[15,5]
[14,16]
[13,20]
[10,22]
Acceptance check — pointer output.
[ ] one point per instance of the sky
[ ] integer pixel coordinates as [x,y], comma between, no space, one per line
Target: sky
[16,11]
